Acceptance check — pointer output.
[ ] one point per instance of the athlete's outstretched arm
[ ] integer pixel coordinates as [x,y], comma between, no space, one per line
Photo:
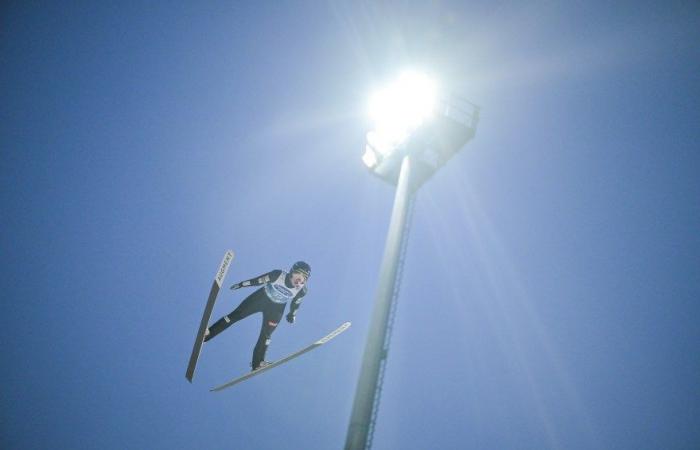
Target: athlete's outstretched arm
[257,281]
[295,304]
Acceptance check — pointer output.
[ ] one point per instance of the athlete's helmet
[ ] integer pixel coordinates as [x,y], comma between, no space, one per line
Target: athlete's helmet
[302,267]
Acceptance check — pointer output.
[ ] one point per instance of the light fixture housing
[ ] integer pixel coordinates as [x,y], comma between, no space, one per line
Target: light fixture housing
[413,116]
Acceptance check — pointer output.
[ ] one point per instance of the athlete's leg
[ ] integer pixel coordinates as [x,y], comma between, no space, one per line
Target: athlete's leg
[250,305]
[272,314]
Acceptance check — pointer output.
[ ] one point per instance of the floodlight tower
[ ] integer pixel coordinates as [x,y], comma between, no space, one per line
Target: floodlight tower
[416,132]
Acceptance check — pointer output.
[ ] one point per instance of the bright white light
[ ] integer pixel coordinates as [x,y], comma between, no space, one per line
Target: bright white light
[383,143]
[403,106]
[369,158]
[397,111]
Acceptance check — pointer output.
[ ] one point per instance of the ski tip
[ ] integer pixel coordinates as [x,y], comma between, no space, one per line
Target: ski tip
[333,333]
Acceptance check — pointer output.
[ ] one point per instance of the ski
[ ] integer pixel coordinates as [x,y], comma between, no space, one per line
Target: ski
[215,287]
[308,348]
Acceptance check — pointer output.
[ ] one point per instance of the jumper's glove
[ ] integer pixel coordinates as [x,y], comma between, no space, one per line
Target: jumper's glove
[291,317]
[240,285]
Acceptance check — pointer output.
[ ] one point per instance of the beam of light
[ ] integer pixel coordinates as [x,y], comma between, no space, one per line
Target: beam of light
[500,317]
[513,312]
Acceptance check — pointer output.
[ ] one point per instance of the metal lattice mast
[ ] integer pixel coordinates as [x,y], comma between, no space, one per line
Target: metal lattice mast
[405,159]
[364,409]
[390,323]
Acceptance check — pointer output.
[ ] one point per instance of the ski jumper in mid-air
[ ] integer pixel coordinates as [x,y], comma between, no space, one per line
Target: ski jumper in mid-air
[279,287]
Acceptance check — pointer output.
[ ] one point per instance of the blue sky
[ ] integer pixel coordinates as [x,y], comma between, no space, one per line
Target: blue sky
[550,294]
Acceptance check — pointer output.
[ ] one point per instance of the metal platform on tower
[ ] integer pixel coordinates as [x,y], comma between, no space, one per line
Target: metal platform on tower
[431,145]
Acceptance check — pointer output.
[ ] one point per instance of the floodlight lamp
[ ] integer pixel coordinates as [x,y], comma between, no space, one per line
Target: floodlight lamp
[370,157]
[385,141]
[404,105]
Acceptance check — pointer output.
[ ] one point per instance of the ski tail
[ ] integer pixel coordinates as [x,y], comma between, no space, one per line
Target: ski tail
[209,307]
